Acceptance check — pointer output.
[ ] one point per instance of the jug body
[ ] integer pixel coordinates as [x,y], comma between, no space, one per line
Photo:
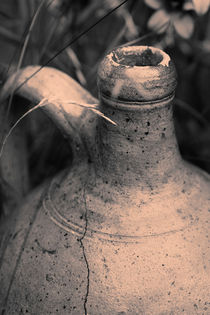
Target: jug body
[125,230]
[56,262]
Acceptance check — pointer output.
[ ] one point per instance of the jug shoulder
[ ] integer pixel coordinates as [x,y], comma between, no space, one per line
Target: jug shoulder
[76,237]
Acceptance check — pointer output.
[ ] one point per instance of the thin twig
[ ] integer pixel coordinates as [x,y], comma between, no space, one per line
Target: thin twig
[44,102]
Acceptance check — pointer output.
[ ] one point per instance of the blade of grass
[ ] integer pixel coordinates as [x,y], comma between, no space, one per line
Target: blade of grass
[44,102]
[92,107]
[20,63]
[17,122]
[19,41]
[23,52]
[52,58]
[70,43]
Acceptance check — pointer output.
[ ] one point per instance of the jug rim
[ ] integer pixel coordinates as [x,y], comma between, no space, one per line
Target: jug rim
[137,74]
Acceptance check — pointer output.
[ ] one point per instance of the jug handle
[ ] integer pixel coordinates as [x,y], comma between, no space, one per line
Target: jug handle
[67,103]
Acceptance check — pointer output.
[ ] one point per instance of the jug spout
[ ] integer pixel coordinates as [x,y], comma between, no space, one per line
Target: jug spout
[64,100]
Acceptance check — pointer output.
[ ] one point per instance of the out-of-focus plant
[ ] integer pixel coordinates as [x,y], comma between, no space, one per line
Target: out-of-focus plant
[181,27]
[201,6]
[175,16]
[171,16]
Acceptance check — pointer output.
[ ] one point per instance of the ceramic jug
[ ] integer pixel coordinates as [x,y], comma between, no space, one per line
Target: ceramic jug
[125,230]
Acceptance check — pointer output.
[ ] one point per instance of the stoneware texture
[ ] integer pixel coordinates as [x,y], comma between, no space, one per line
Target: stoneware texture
[125,230]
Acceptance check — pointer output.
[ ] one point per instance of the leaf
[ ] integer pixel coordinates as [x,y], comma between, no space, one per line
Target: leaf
[184,25]
[188,5]
[159,21]
[154,4]
[201,6]
[132,30]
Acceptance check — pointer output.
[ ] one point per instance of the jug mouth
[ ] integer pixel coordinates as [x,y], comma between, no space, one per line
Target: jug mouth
[137,74]
[140,56]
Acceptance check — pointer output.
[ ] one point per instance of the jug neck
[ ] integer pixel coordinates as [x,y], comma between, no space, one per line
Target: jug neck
[136,88]
[142,148]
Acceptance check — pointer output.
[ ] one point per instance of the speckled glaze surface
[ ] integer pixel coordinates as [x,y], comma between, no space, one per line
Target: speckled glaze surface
[126,229]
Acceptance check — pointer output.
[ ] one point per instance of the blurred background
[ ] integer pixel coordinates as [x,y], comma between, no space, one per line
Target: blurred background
[33,31]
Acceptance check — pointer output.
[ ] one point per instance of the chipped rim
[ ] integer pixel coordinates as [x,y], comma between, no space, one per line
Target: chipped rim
[136,83]
[138,50]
